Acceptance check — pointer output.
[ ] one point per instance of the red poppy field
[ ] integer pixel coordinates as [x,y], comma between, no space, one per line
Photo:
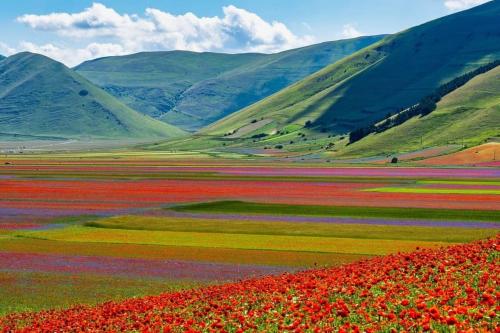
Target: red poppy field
[86,242]
[453,288]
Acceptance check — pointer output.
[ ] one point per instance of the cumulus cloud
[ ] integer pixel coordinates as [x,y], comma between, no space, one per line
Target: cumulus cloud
[112,33]
[6,50]
[73,56]
[350,31]
[463,4]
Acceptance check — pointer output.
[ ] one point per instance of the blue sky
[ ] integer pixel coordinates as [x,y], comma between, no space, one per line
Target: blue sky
[73,31]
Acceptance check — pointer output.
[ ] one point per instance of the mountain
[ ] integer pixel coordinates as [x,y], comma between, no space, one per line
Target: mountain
[2,57]
[151,82]
[383,78]
[467,116]
[192,90]
[42,97]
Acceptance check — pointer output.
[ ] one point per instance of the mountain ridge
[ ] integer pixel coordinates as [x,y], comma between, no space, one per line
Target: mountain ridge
[381,78]
[40,96]
[184,96]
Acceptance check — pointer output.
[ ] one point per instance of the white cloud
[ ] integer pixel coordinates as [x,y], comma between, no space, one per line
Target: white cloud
[112,33]
[350,31]
[463,4]
[73,56]
[6,50]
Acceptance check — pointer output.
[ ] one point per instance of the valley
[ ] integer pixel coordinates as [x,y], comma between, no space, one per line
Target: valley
[188,173]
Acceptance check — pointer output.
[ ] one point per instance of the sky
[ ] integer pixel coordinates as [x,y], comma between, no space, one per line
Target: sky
[73,31]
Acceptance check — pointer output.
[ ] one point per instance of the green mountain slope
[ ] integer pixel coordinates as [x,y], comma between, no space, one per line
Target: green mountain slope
[151,82]
[469,115]
[385,77]
[2,57]
[213,99]
[192,90]
[42,97]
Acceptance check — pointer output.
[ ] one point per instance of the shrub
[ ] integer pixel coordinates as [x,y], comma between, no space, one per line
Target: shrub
[260,135]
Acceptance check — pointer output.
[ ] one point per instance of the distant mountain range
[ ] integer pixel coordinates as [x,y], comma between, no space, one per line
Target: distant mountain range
[192,90]
[380,79]
[40,97]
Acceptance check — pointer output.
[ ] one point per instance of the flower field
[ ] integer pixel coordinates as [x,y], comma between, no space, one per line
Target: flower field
[100,234]
[77,197]
[449,289]
[483,155]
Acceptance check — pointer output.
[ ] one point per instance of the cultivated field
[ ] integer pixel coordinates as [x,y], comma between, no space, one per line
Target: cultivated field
[446,290]
[89,228]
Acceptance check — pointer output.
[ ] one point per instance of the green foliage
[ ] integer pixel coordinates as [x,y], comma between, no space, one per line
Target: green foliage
[83,93]
[259,136]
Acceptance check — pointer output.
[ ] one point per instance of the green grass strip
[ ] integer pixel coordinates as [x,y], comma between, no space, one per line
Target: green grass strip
[234,226]
[460,182]
[78,219]
[241,207]
[231,241]
[420,190]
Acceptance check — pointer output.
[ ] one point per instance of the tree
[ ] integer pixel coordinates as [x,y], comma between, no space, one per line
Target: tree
[426,105]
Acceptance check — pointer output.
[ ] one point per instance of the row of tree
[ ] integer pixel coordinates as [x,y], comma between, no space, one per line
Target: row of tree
[425,106]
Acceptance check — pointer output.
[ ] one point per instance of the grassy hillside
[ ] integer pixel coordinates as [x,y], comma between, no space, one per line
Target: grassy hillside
[41,97]
[151,82]
[385,77]
[192,90]
[469,115]
[213,99]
